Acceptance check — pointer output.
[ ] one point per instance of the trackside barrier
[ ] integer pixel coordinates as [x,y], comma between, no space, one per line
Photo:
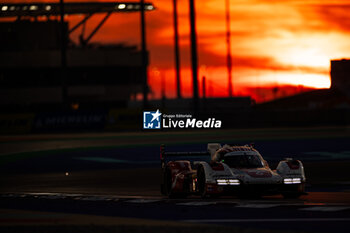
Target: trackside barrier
[16,123]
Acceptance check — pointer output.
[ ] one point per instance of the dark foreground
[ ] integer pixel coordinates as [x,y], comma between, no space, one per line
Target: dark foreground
[269,213]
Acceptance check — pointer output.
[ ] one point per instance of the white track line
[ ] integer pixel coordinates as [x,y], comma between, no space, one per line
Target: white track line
[260,204]
[257,206]
[197,203]
[141,201]
[265,220]
[326,208]
[95,198]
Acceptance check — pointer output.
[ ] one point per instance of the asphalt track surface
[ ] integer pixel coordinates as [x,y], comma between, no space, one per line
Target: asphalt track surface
[267,213]
[117,175]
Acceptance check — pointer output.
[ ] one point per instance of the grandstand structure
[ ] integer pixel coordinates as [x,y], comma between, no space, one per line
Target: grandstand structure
[30,58]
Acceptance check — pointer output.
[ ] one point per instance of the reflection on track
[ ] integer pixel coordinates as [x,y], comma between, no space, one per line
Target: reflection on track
[228,202]
[265,220]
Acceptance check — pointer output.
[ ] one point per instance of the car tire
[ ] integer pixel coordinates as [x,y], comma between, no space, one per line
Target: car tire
[163,190]
[167,182]
[201,182]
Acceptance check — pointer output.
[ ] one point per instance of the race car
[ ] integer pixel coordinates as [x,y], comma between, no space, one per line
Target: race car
[228,170]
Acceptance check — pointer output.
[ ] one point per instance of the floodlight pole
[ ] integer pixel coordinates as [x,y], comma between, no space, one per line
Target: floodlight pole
[177,53]
[194,57]
[63,55]
[228,45]
[144,55]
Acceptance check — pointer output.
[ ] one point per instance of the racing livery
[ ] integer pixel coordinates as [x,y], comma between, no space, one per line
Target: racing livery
[229,170]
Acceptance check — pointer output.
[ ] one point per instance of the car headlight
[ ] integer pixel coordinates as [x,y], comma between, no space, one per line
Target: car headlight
[292,180]
[228,182]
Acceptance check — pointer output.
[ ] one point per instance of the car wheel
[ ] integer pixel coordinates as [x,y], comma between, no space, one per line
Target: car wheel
[163,184]
[167,182]
[201,182]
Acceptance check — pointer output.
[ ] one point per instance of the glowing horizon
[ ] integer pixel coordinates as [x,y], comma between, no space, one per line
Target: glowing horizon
[287,42]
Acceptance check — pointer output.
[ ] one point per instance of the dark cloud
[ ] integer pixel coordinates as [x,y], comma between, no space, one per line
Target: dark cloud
[327,17]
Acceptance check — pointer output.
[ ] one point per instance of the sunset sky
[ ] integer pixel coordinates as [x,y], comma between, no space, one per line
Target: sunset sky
[273,42]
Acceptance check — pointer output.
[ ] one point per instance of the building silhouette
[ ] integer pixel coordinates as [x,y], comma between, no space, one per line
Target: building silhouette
[95,75]
[340,75]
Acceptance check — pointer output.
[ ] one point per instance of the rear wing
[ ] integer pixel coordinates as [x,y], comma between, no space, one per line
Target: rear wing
[190,156]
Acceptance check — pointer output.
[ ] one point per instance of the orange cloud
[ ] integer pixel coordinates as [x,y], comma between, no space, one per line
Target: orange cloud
[273,42]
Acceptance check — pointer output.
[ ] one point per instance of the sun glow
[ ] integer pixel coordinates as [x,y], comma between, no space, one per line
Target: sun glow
[307,80]
[287,42]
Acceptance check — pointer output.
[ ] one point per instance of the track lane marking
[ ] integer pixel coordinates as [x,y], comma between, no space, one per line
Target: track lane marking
[257,206]
[326,208]
[265,220]
[142,201]
[197,203]
[92,198]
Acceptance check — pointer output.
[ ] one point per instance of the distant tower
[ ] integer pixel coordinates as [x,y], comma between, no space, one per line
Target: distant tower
[177,53]
[340,75]
[228,45]
[194,56]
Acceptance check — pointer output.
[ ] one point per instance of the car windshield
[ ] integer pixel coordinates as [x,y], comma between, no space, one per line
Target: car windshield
[246,160]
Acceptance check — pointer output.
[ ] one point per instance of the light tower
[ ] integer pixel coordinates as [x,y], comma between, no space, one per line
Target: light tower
[228,46]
